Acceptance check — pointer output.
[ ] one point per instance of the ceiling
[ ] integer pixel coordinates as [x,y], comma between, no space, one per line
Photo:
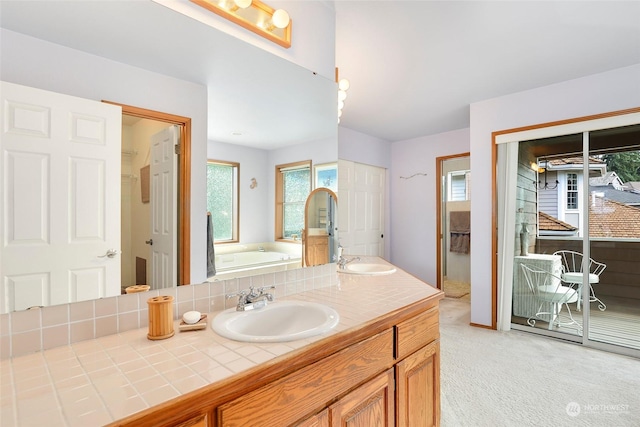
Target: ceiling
[414,66]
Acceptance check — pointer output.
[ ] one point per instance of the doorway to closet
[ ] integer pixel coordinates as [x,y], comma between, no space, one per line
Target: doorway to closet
[454,226]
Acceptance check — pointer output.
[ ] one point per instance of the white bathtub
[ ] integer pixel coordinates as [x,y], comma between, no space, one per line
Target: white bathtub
[249,263]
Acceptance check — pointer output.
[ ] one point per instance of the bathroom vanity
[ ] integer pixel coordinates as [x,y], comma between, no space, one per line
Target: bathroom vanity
[382,372]
[379,366]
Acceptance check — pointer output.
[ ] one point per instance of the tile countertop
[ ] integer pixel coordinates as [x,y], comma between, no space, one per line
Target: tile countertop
[102,380]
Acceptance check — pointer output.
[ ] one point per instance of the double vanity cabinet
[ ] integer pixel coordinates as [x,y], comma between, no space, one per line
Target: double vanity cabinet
[384,372]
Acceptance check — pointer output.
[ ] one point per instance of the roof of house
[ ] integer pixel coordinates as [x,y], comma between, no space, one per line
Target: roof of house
[608,218]
[632,186]
[610,193]
[606,179]
[575,161]
[548,223]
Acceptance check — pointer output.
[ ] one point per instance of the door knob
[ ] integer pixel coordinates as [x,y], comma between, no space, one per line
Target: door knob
[111,253]
[149,242]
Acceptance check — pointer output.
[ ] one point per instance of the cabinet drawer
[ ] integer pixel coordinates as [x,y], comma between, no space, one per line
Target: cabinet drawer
[303,392]
[416,332]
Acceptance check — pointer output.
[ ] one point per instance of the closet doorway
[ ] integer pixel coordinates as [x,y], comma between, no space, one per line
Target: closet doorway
[453,206]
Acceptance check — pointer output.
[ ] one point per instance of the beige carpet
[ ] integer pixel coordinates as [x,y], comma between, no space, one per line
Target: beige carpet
[456,289]
[496,379]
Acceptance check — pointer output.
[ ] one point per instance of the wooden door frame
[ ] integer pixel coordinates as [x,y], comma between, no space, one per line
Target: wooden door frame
[183,222]
[439,235]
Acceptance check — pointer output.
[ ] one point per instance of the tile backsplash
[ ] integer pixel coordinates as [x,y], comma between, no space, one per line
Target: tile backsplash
[24,332]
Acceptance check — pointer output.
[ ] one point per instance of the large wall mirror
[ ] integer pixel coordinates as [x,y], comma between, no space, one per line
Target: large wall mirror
[262,109]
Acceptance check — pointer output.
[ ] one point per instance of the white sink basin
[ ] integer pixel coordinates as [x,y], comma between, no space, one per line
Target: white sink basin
[277,322]
[370,269]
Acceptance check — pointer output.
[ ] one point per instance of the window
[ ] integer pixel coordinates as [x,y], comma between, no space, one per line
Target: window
[222,199]
[572,191]
[293,185]
[459,186]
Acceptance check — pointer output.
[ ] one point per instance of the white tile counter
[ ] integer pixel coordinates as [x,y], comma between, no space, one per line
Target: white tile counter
[101,380]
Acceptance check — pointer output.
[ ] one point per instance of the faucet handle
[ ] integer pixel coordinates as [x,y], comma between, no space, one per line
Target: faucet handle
[264,288]
[237,294]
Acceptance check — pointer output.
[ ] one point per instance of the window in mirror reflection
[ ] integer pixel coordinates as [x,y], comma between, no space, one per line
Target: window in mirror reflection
[223,199]
[326,176]
[293,185]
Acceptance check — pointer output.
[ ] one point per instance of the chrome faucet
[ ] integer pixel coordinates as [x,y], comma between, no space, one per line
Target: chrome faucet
[252,298]
[342,261]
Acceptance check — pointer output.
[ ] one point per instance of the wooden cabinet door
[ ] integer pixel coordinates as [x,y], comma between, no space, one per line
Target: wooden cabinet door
[371,405]
[199,421]
[318,420]
[317,250]
[418,392]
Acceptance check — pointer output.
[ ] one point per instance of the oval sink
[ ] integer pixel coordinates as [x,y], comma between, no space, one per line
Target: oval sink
[370,269]
[276,322]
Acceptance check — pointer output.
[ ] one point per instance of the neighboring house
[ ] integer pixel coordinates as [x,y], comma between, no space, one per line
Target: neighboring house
[562,197]
[607,179]
[613,212]
[550,226]
[633,187]
[608,218]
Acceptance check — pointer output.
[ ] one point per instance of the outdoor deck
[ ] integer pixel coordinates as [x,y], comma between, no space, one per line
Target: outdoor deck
[619,324]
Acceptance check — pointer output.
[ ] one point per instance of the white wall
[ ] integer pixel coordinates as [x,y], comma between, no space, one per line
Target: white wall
[413,200]
[254,203]
[32,62]
[362,148]
[600,93]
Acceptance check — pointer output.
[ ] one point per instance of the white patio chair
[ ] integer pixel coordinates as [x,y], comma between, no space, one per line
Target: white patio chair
[572,275]
[552,294]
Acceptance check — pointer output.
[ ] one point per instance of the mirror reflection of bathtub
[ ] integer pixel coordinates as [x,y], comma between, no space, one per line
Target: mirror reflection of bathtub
[234,261]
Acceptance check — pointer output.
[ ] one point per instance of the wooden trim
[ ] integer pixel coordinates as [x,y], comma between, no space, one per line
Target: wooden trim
[279,196]
[439,196]
[184,182]
[568,121]
[494,191]
[477,325]
[236,226]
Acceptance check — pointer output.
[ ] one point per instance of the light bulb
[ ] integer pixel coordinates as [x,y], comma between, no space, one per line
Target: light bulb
[280,18]
[344,84]
[340,105]
[342,95]
[339,113]
[243,3]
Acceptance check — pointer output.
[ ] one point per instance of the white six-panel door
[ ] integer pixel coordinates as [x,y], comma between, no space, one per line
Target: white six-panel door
[163,208]
[361,193]
[60,196]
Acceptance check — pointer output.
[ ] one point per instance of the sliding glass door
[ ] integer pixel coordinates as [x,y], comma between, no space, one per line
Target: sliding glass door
[569,232]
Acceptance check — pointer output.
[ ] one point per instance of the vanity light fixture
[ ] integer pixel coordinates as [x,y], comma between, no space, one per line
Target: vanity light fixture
[255,16]
[343,87]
